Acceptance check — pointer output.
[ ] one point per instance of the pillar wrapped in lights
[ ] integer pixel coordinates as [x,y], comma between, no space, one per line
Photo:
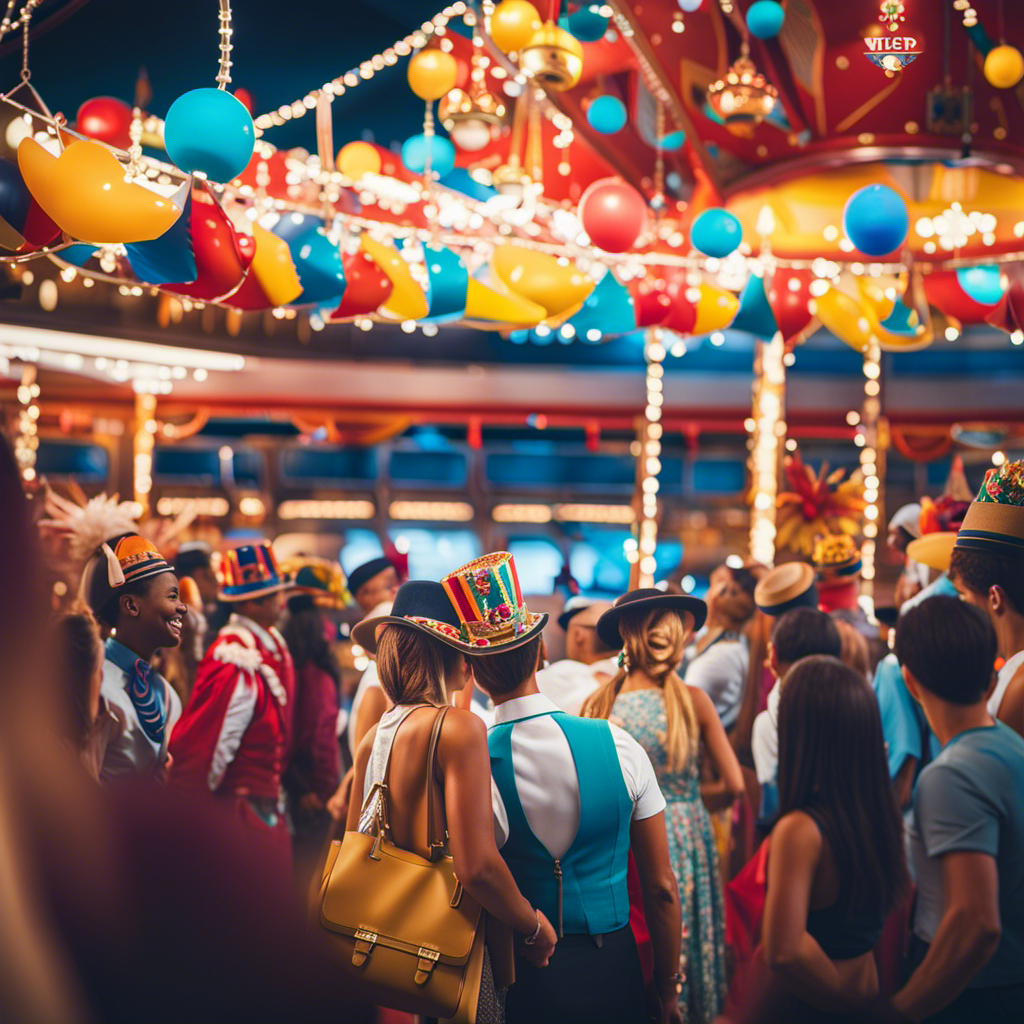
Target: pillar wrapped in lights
[145,431]
[767,427]
[643,563]
[872,439]
[26,442]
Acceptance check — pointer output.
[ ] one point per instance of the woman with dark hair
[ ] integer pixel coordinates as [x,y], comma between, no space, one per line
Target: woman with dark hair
[836,865]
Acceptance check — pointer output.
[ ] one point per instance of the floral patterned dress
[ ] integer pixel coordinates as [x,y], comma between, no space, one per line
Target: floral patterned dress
[691,844]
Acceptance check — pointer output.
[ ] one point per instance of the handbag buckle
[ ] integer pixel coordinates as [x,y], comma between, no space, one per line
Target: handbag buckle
[428,957]
[365,940]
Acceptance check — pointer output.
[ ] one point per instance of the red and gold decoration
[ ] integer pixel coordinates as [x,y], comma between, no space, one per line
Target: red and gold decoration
[816,504]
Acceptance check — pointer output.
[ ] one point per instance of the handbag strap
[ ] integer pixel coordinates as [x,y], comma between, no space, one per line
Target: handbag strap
[434,845]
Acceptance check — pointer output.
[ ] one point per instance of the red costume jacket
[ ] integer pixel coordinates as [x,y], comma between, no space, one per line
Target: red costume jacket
[234,736]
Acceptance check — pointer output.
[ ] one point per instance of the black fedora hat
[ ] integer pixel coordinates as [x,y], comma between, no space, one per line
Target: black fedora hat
[419,604]
[645,600]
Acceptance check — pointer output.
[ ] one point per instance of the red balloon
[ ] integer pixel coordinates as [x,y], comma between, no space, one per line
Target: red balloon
[945,294]
[612,214]
[367,287]
[683,317]
[789,295]
[653,304]
[245,98]
[222,254]
[107,119]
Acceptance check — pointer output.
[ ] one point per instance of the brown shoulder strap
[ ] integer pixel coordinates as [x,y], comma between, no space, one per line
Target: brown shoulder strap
[435,846]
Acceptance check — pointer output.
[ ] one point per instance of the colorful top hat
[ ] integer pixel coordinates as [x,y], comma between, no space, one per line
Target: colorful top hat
[644,600]
[995,519]
[419,604]
[492,613]
[786,587]
[250,571]
[116,563]
[316,578]
[837,558]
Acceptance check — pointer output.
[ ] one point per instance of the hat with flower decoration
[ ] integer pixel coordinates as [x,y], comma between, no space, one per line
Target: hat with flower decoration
[837,558]
[317,578]
[995,519]
[422,605]
[116,563]
[940,520]
[250,571]
[492,613]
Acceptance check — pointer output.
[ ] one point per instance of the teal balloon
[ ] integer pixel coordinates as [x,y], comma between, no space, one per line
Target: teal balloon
[442,154]
[519,337]
[755,314]
[902,320]
[765,18]
[607,115]
[716,232]
[608,310]
[448,284]
[587,24]
[318,262]
[673,141]
[981,283]
[208,130]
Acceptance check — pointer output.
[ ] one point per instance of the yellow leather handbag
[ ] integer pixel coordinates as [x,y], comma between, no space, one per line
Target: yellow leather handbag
[403,924]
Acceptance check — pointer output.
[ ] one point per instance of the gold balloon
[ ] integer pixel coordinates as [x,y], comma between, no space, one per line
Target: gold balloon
[542,279]
[844,318]
[432,73]
[274,268]
[491,306]
[1004,66]
[873,295]
[83,191]
[554,56]
[358,158]
[407,300]
[716,309]
[513,24]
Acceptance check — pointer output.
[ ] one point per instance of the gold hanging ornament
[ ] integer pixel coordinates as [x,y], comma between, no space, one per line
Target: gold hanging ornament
[743,97]
[554,57]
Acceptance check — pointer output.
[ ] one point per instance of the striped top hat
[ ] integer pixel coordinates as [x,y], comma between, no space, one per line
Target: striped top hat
[995,519]
[250,571]
[116,563]
[837,558]
[489,602]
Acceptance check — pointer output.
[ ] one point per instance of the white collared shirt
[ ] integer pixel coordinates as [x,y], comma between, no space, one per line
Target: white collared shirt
[1006,673]
[546,778]
[764,740]
[567,683]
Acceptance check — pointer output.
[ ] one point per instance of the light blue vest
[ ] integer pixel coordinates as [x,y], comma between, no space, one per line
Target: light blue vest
[584,892]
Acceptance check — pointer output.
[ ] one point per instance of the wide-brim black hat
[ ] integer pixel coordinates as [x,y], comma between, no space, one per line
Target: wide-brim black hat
[645,600]
[419,604]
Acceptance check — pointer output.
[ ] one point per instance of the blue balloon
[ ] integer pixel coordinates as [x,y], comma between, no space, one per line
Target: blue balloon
[208,130]
[607,115]
[587,24]
[716,232]
[449,283]
[673,141]
[876,220]
[442,154]
[981,283]
[755,314]
[689,6]
[519,337]
[318,262]
[765,18]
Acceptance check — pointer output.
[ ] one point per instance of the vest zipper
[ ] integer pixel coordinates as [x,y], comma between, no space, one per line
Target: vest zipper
[558,880]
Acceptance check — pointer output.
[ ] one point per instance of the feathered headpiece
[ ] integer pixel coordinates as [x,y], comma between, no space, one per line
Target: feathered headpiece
[817,504]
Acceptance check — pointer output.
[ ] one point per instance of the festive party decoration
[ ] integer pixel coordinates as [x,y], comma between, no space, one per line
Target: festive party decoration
[817,503]
[690,6]
[421,151]
[513,24]
[317,260]
[743,97]
[489,307]
[875,220]
[765,18]
[716,308]
[554,57]
[844,318]
[272,279]
[407,300]
[449,284]
[472,119]
[944,290]
[607,115]
[432,73]
[613,214]
[367,287]
[358,158]
[587,23]
[1004,66]
[983,284]
[789,296]
[167,258]
[607,310]
[84,192]
[716,232]
[211,132]
[755,313]
[106,119]
[542,279]
[652,305]
[23,225]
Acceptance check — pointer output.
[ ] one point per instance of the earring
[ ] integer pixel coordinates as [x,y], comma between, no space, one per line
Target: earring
[623,660]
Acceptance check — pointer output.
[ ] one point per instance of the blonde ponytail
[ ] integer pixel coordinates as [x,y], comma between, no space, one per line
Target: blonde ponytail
[653,643]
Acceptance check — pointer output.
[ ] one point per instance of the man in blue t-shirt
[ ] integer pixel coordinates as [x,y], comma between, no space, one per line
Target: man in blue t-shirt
[968,835]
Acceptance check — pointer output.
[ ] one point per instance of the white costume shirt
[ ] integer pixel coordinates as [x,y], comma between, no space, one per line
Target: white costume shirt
[721,672]
[1006,673]
[129,750]
[546,775]
[569,683]
[764,740]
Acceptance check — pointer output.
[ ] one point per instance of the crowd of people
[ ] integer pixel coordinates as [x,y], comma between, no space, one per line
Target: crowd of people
[748,807]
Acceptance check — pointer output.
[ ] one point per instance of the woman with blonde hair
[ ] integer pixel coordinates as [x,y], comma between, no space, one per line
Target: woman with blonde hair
[673,722]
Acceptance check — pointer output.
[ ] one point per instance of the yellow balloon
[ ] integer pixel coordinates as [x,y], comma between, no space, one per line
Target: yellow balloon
[716,308]
[84,192]
[542,279]
[513,24]
[491,306]
[407,300]
[357,159]
[873,295]
[1004,66]
[274,268]
[844,318]
[432,73]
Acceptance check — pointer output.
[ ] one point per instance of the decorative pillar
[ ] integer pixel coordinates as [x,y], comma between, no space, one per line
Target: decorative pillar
[767,427]
[142,449]
[649,431]
[26,442]
[872,437]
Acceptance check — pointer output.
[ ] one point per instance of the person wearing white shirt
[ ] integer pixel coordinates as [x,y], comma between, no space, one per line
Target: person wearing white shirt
[587,662]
